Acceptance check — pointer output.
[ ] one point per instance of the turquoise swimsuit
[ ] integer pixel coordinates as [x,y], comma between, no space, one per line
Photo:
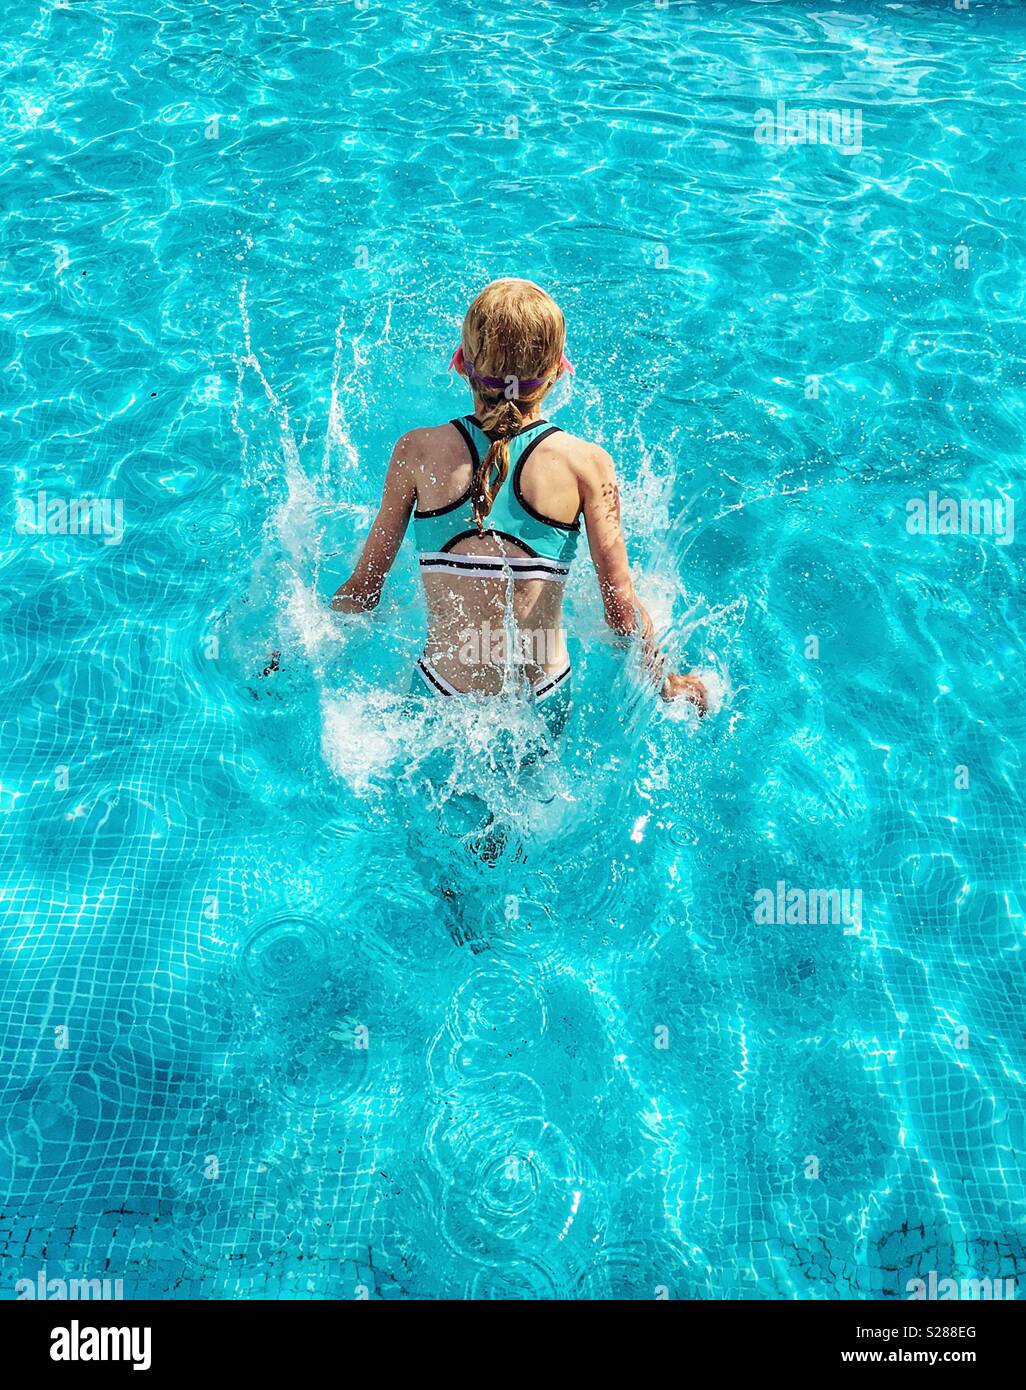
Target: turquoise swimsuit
[549,547]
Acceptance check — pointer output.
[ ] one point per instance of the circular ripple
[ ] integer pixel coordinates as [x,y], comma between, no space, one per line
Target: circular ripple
[521,1280]
[637,1270]
[500,1006]
[512,1184]
[201,530]
[286,956]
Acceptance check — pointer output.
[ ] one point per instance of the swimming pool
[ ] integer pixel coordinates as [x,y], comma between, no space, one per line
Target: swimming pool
[241,1054]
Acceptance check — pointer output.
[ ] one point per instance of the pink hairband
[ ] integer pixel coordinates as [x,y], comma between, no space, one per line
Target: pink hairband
[494,383]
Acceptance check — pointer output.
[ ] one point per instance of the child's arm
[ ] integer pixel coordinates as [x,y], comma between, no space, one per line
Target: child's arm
[623,608]
[362,590]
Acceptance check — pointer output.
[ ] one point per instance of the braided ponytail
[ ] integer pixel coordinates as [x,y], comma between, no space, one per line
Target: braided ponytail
[500,421]
[513,333]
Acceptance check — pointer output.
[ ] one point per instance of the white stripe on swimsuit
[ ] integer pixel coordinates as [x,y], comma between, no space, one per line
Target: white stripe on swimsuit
[495,566]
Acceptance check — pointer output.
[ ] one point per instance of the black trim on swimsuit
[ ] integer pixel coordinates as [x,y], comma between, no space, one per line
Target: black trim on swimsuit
[546,686]
[460,501]
[440,688]
[502,536]
[520,566]
[468,439]
[518,471]
[475,459]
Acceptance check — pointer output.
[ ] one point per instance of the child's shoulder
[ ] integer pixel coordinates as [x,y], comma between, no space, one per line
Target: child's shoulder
[425,439]
[582,455]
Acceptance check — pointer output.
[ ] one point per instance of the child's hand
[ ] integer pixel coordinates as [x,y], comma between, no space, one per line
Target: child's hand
[353,597]
[676,687]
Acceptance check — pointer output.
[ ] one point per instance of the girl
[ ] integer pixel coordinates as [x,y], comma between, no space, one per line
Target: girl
[497,499]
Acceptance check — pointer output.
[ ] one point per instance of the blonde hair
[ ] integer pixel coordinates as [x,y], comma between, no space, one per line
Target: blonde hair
[513,335]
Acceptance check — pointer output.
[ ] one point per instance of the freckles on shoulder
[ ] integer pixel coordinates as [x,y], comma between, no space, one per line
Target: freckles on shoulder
[611,500]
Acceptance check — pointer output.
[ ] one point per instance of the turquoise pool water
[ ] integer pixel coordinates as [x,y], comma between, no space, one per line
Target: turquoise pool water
[241,1053]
